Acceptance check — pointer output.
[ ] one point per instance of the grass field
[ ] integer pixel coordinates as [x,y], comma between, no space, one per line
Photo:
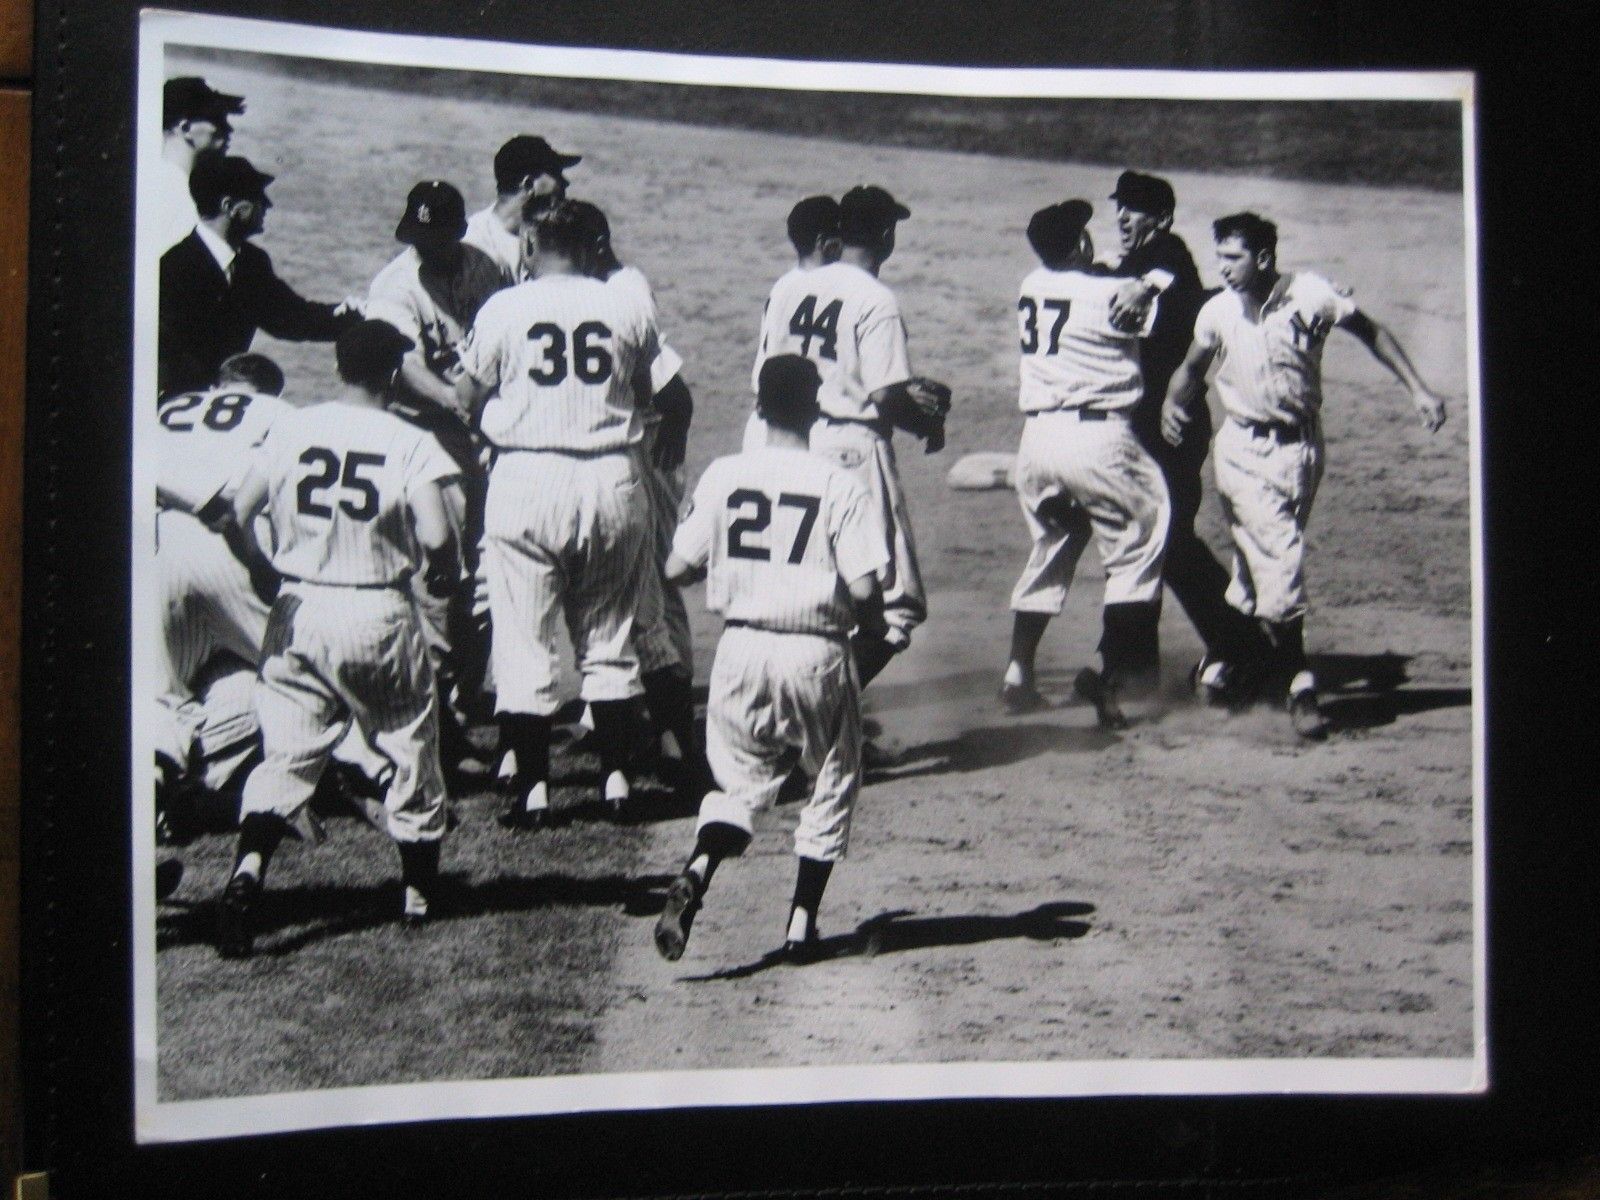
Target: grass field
[1018,890]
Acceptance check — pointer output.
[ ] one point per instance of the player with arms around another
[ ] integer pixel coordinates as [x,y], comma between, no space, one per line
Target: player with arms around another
[557,369]
[848,323]
[528,172]
[793,553]
[1266,332]
[1081,473]
[353,495]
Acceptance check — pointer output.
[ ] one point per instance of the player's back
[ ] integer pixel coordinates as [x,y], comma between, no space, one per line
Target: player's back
[846,321]
[206,440]
[1072,354]
[339,479]
[567,356]
[787,530]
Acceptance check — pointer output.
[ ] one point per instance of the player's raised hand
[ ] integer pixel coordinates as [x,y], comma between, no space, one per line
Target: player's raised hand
[1131,305]
[1174,420]
[1430,407]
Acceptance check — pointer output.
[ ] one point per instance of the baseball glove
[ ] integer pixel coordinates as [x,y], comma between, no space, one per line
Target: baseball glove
[919,408]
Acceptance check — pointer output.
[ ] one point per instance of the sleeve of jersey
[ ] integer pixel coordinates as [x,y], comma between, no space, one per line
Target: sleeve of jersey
[385,302]
[480,349]
[859,546]
[881,345]
[1334,303]
[1206,334]
[691,541]
[429,464]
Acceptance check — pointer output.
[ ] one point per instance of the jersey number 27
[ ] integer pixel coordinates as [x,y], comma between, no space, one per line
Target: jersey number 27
[759,517]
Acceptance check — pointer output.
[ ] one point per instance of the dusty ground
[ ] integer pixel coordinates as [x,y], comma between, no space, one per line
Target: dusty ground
[1202,886]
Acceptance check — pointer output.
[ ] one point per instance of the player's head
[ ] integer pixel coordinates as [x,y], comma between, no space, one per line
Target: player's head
[786,392]
[814,230]
[435,220]
[227,186]
[560,238]
[1059,235]
[867,217]
[1247,249]
[195,112]
[368,355]
[529,168]
[256,372]
[1145,204]
[603,259]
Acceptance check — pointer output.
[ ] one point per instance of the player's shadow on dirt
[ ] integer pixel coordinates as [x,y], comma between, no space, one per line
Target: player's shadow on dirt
[892,932]
[1365,691]
[989,747]
[289,919]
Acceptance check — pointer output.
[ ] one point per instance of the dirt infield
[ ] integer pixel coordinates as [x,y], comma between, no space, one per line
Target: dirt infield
[1018,889]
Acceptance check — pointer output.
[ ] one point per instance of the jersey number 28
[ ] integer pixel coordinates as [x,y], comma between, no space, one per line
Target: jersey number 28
[759,516]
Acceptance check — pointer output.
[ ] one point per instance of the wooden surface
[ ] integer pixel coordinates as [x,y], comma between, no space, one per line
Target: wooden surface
[16,36]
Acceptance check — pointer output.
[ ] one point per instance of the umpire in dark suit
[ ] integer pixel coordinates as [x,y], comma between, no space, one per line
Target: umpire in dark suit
[217,289]
[1145,205]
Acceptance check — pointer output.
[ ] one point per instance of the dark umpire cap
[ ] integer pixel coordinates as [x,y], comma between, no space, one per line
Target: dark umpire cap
[524,156]
[1145,193]
[370,350]
[433,206]
[216,175]
[1054,232]
[190,98]
[871,205]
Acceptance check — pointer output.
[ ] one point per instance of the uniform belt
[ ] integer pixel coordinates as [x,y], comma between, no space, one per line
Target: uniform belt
[831,635]
[567,452]
[1282,432]
[393,584]
[1081,413]
[878,425]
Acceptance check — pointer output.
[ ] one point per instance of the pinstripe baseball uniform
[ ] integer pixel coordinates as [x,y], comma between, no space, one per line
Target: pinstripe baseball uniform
[567,522]
[848,322]
[661,633]
[782,532]
[344,642]
[1268,452]
[1081,471]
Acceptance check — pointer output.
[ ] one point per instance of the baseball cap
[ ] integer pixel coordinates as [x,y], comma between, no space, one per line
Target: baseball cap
[370,350]
[813,217]
[214,176]
[526,155]
[190,98]
[1054,232]
[871,205]
[786,390]
[433,206]
[1144,193]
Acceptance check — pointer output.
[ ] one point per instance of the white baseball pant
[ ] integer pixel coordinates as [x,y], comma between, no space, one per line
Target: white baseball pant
[1079,480]
[773,694]
[1266,485]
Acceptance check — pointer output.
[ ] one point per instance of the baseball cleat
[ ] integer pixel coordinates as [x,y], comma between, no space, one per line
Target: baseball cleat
[169,875]
[1019,699]
[672,926]
[1305,714]
[801,951]
[1213,681]
[530,811]
[414,910]
[235,911]
[1091,686]
[614,794]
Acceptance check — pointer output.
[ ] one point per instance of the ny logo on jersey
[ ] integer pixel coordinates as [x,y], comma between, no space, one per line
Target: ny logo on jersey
[1309,334]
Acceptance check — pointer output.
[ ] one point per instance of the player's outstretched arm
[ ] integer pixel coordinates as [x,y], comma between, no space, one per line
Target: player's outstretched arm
[867,595]
[240,534]
[437,537]
[676,406]
[1386,348]
[1187,382]
[470,396]
[423,382]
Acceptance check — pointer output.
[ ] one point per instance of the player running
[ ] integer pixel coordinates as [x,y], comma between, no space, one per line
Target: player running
[1081,473]
[792,553]
[1266,333]
[354,498]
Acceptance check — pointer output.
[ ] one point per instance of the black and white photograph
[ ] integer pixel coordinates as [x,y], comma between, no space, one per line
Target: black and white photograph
[666,581]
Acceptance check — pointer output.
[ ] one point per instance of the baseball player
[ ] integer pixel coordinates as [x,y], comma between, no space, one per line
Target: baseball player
[792,548]
[1265,332]
[431,292]
[661,631]
[526,169]
[1145,206]
[194,119]
[556,368]
[813,228]
[354,498]
[1081,473]
[848,323]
